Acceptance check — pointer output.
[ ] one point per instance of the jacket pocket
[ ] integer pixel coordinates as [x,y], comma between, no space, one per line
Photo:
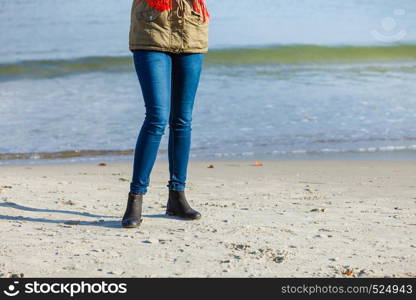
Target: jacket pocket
[195,18]
[144,12]
[196,31]
[143,18]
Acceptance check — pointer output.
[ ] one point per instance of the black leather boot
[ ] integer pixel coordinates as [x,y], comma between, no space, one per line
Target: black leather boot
[133,216]
[179,207]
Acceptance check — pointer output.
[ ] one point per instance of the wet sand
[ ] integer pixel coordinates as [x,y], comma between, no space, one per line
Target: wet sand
[281,219]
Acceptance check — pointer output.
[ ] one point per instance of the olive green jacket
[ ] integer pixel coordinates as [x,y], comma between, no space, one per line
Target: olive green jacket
[179,30]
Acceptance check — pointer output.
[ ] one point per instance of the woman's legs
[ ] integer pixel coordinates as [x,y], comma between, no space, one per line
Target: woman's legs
[186,71]
[169,83]
[154,70]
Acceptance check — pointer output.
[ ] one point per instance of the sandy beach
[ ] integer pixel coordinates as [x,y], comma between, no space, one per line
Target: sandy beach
[281,219]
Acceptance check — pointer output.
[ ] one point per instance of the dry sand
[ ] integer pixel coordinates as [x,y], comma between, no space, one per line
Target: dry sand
[282,219]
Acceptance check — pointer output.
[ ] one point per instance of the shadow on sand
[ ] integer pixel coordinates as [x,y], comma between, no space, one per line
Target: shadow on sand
[69,222]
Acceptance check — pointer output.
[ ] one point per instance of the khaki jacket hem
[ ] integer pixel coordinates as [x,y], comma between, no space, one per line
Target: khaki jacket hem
[164,49]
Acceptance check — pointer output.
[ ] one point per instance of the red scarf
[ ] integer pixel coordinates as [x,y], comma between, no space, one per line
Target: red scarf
[198,5]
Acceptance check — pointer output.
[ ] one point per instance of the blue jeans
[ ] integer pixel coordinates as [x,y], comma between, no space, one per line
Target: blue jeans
[169,82]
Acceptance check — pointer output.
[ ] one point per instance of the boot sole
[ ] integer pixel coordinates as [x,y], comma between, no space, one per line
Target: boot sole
[173,214]
[132,226]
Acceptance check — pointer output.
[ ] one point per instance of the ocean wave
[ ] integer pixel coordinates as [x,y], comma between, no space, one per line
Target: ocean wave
[294,54]
[312,54]
[316,153]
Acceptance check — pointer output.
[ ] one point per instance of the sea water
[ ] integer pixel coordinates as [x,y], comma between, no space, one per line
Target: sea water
[283,79]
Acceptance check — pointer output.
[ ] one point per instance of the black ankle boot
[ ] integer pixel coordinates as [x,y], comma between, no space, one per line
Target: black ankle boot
[133,216]
[179,207]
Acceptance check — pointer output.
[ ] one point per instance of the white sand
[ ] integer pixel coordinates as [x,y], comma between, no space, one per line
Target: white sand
[257,221]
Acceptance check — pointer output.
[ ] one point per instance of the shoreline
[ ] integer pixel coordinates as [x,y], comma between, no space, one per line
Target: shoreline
[282,219]
[125,156]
